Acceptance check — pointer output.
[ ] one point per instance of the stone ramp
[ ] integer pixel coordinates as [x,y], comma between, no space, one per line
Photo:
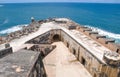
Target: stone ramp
[50,64]
[61,63]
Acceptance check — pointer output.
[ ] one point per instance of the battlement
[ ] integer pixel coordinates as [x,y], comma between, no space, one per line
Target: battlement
[102,39]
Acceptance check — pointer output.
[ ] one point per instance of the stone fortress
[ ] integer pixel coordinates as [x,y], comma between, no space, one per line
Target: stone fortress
[99,55]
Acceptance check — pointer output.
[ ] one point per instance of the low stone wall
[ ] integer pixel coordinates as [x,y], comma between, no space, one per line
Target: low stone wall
[5,51]
[44,49]
[42,39]
[45,38]
[38,69]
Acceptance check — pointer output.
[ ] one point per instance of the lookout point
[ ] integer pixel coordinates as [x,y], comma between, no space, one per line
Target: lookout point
[58,47]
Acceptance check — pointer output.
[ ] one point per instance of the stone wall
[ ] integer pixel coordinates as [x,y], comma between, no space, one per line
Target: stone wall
[42,39]
[44,49]
[107,42]
[38,69]
[83,55]
[89,61]
[45,38]
[5,51]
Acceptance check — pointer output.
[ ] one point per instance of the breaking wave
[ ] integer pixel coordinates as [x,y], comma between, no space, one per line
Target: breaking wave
[106,33]
[12,29]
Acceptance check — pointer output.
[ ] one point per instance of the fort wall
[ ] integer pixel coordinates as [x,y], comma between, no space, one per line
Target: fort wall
[89,61]
[108,67]
[107,42]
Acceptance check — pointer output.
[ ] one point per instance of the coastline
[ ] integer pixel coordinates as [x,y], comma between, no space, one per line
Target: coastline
[30,31]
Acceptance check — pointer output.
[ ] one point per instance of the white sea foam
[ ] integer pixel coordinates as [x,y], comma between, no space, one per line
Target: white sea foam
[12,29]
[106,33]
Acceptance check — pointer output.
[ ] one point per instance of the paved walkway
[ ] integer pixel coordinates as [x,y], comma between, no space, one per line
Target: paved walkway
[61,63]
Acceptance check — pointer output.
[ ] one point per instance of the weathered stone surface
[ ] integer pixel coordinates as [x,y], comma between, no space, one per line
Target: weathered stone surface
[19,64]
[5,52]
[43,49]
[112,58]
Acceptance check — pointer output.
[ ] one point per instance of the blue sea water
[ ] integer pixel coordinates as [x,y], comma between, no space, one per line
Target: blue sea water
[104,18]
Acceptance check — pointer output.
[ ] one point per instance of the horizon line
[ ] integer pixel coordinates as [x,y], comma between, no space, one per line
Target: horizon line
[61,2]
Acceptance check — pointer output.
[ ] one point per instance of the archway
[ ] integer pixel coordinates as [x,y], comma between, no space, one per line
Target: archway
[56,37]
[83,61]
[117,50]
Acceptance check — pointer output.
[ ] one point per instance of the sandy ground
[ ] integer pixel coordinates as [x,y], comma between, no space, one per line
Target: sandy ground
[61,63]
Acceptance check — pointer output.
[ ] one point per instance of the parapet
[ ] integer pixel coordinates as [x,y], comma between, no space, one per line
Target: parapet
[44,49]
[23,63]
[107,42]
[114,47]
[7,50]
[112,58]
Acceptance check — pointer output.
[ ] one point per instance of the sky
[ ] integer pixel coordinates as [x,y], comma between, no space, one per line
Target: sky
[90,1]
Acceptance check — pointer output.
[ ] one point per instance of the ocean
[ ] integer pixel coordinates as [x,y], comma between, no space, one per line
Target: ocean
[104,18]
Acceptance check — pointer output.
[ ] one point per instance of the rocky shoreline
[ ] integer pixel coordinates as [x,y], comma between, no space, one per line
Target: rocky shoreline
[26,30]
